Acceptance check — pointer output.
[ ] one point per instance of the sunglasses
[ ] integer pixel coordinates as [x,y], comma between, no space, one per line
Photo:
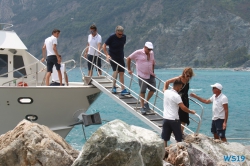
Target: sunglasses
[188,76]
[149,49]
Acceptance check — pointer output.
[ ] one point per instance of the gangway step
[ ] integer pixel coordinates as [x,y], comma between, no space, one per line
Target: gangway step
[107,85]
[157,119]
[125,96]
[129,100]
[155,116]
[158,123]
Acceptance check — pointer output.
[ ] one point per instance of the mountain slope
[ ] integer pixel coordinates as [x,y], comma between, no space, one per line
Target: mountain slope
[211,33]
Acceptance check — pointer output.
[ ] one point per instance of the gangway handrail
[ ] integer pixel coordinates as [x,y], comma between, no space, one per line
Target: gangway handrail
[132,75]
[202,108]
[36,72]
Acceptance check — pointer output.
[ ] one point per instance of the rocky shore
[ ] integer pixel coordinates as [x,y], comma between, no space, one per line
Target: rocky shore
[115,143]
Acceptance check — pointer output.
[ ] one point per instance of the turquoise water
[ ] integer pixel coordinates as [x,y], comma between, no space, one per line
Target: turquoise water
[235,87]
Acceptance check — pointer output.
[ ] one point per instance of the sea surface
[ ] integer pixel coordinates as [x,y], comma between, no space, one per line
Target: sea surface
[235,87]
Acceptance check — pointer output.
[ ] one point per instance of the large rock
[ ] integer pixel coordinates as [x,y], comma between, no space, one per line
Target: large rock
[31,144]
[117,143]
[204,151]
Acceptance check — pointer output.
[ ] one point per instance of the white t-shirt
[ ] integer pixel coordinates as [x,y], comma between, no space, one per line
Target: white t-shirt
[54,74]
[218,109]
[49,42]
[171,104]
[93,41]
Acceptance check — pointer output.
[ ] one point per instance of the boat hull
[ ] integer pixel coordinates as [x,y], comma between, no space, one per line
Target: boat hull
[55,107]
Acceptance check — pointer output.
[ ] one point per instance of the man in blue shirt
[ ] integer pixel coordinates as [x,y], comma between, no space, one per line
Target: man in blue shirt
[116,44]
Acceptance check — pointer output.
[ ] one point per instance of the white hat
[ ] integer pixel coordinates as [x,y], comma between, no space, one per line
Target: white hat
[217,85]
[149,45]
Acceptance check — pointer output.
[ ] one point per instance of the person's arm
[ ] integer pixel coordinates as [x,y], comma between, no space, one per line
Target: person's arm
[206,101]
[57,55]
[86,51]
[184,108]
[153,69]
[128,64]
[105,51]
[43,53]
[225,106]
[166,84]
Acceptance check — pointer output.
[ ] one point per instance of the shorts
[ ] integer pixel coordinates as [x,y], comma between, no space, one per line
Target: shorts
[114,65]
[95,60]
[51,61]
[144,86]
[170,126]
[217,128]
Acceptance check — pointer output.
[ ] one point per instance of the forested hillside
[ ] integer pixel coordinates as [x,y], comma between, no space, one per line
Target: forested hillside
[197,33]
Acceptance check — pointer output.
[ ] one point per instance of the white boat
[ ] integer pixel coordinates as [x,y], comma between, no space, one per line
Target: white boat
[23,94]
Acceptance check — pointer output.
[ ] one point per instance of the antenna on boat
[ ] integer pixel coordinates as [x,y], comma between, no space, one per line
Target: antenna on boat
[4,26]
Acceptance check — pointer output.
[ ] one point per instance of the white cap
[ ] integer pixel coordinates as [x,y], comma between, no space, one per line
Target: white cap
[149,45]
[217,85]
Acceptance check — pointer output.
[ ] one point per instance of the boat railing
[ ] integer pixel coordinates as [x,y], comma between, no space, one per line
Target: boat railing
[35,73]
[4,26]
[131,79]
[65,62]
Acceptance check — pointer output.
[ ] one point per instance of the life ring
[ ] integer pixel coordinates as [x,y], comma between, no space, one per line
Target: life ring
[22,84]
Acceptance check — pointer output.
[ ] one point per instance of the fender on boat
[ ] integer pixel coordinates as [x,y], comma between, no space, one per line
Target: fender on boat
[22,84]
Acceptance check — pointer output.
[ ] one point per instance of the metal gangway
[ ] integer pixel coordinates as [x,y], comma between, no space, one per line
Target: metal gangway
[131,102]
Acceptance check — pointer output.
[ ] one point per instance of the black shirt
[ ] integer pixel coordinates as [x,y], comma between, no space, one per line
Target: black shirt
[116,46]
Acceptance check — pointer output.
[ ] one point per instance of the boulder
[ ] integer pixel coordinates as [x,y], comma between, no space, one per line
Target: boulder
[31,144]
[117,143]
[202,150]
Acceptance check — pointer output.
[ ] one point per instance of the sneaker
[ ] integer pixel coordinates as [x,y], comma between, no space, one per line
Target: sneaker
[146,107]
[143,112]
[113,90]
[125,92]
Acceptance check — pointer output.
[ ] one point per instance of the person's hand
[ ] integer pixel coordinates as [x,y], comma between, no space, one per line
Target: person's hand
[85,55]
[193,95]
[130,72]
[153,74]
[224,125]
[108,58]
[192,111]
[42,60]
[59,60]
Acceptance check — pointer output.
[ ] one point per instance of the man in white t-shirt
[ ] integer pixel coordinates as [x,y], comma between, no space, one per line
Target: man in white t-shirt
[55,79]
[50,46]
[172,102]
[94,40]
[220,111]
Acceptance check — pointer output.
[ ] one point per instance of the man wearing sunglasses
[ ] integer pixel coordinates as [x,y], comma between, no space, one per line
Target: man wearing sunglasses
[116,44]
[220,111]
[95,41]
[145,63]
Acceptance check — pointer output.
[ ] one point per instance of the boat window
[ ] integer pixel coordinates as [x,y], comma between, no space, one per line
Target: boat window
[3,65]
[25,100]
[18,63]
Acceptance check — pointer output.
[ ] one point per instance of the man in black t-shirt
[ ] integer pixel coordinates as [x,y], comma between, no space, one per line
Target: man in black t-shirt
[116,44]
